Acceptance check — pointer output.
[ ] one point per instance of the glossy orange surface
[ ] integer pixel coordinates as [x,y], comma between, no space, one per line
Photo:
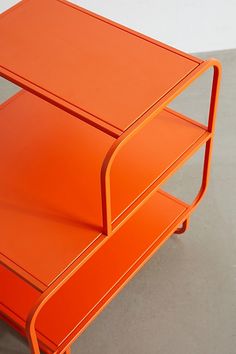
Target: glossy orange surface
[95,67]
[48,167]
[50,180]
[81,208]
[98,277]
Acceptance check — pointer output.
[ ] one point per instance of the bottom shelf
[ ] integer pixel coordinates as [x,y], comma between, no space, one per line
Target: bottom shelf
[69,312]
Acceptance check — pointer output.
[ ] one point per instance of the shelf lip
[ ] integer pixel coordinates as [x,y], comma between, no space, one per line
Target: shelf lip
[133,32]
[59,102]
[88,114]
[25,275]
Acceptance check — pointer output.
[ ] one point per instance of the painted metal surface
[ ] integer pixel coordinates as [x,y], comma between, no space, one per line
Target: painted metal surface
[45,181]
[63,180]
[97,82]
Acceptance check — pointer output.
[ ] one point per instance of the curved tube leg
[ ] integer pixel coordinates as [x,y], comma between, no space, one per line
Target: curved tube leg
[106,195]
[208,149]
[139,124]
[184,227]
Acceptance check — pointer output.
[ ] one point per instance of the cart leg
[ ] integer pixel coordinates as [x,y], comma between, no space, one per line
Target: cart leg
[68,351]
[183,228]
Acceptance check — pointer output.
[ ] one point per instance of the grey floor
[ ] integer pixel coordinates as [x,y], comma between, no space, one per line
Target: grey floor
[184,299]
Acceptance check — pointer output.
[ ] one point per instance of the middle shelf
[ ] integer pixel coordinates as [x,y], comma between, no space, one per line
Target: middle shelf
[50,180]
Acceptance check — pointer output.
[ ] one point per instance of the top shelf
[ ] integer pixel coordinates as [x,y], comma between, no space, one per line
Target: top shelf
[89,66]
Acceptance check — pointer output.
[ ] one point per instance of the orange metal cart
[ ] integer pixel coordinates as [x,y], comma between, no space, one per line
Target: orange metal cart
[85,147]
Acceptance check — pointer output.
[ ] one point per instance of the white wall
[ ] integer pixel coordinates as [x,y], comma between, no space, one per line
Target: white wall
[190,25]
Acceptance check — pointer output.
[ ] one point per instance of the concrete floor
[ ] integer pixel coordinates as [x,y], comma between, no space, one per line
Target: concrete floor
[184,299]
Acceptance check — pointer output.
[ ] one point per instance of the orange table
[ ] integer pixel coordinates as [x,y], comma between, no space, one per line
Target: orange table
[84,148]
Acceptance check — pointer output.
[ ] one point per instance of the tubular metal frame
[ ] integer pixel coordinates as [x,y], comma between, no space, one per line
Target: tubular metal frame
[106,193]
[138,125]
